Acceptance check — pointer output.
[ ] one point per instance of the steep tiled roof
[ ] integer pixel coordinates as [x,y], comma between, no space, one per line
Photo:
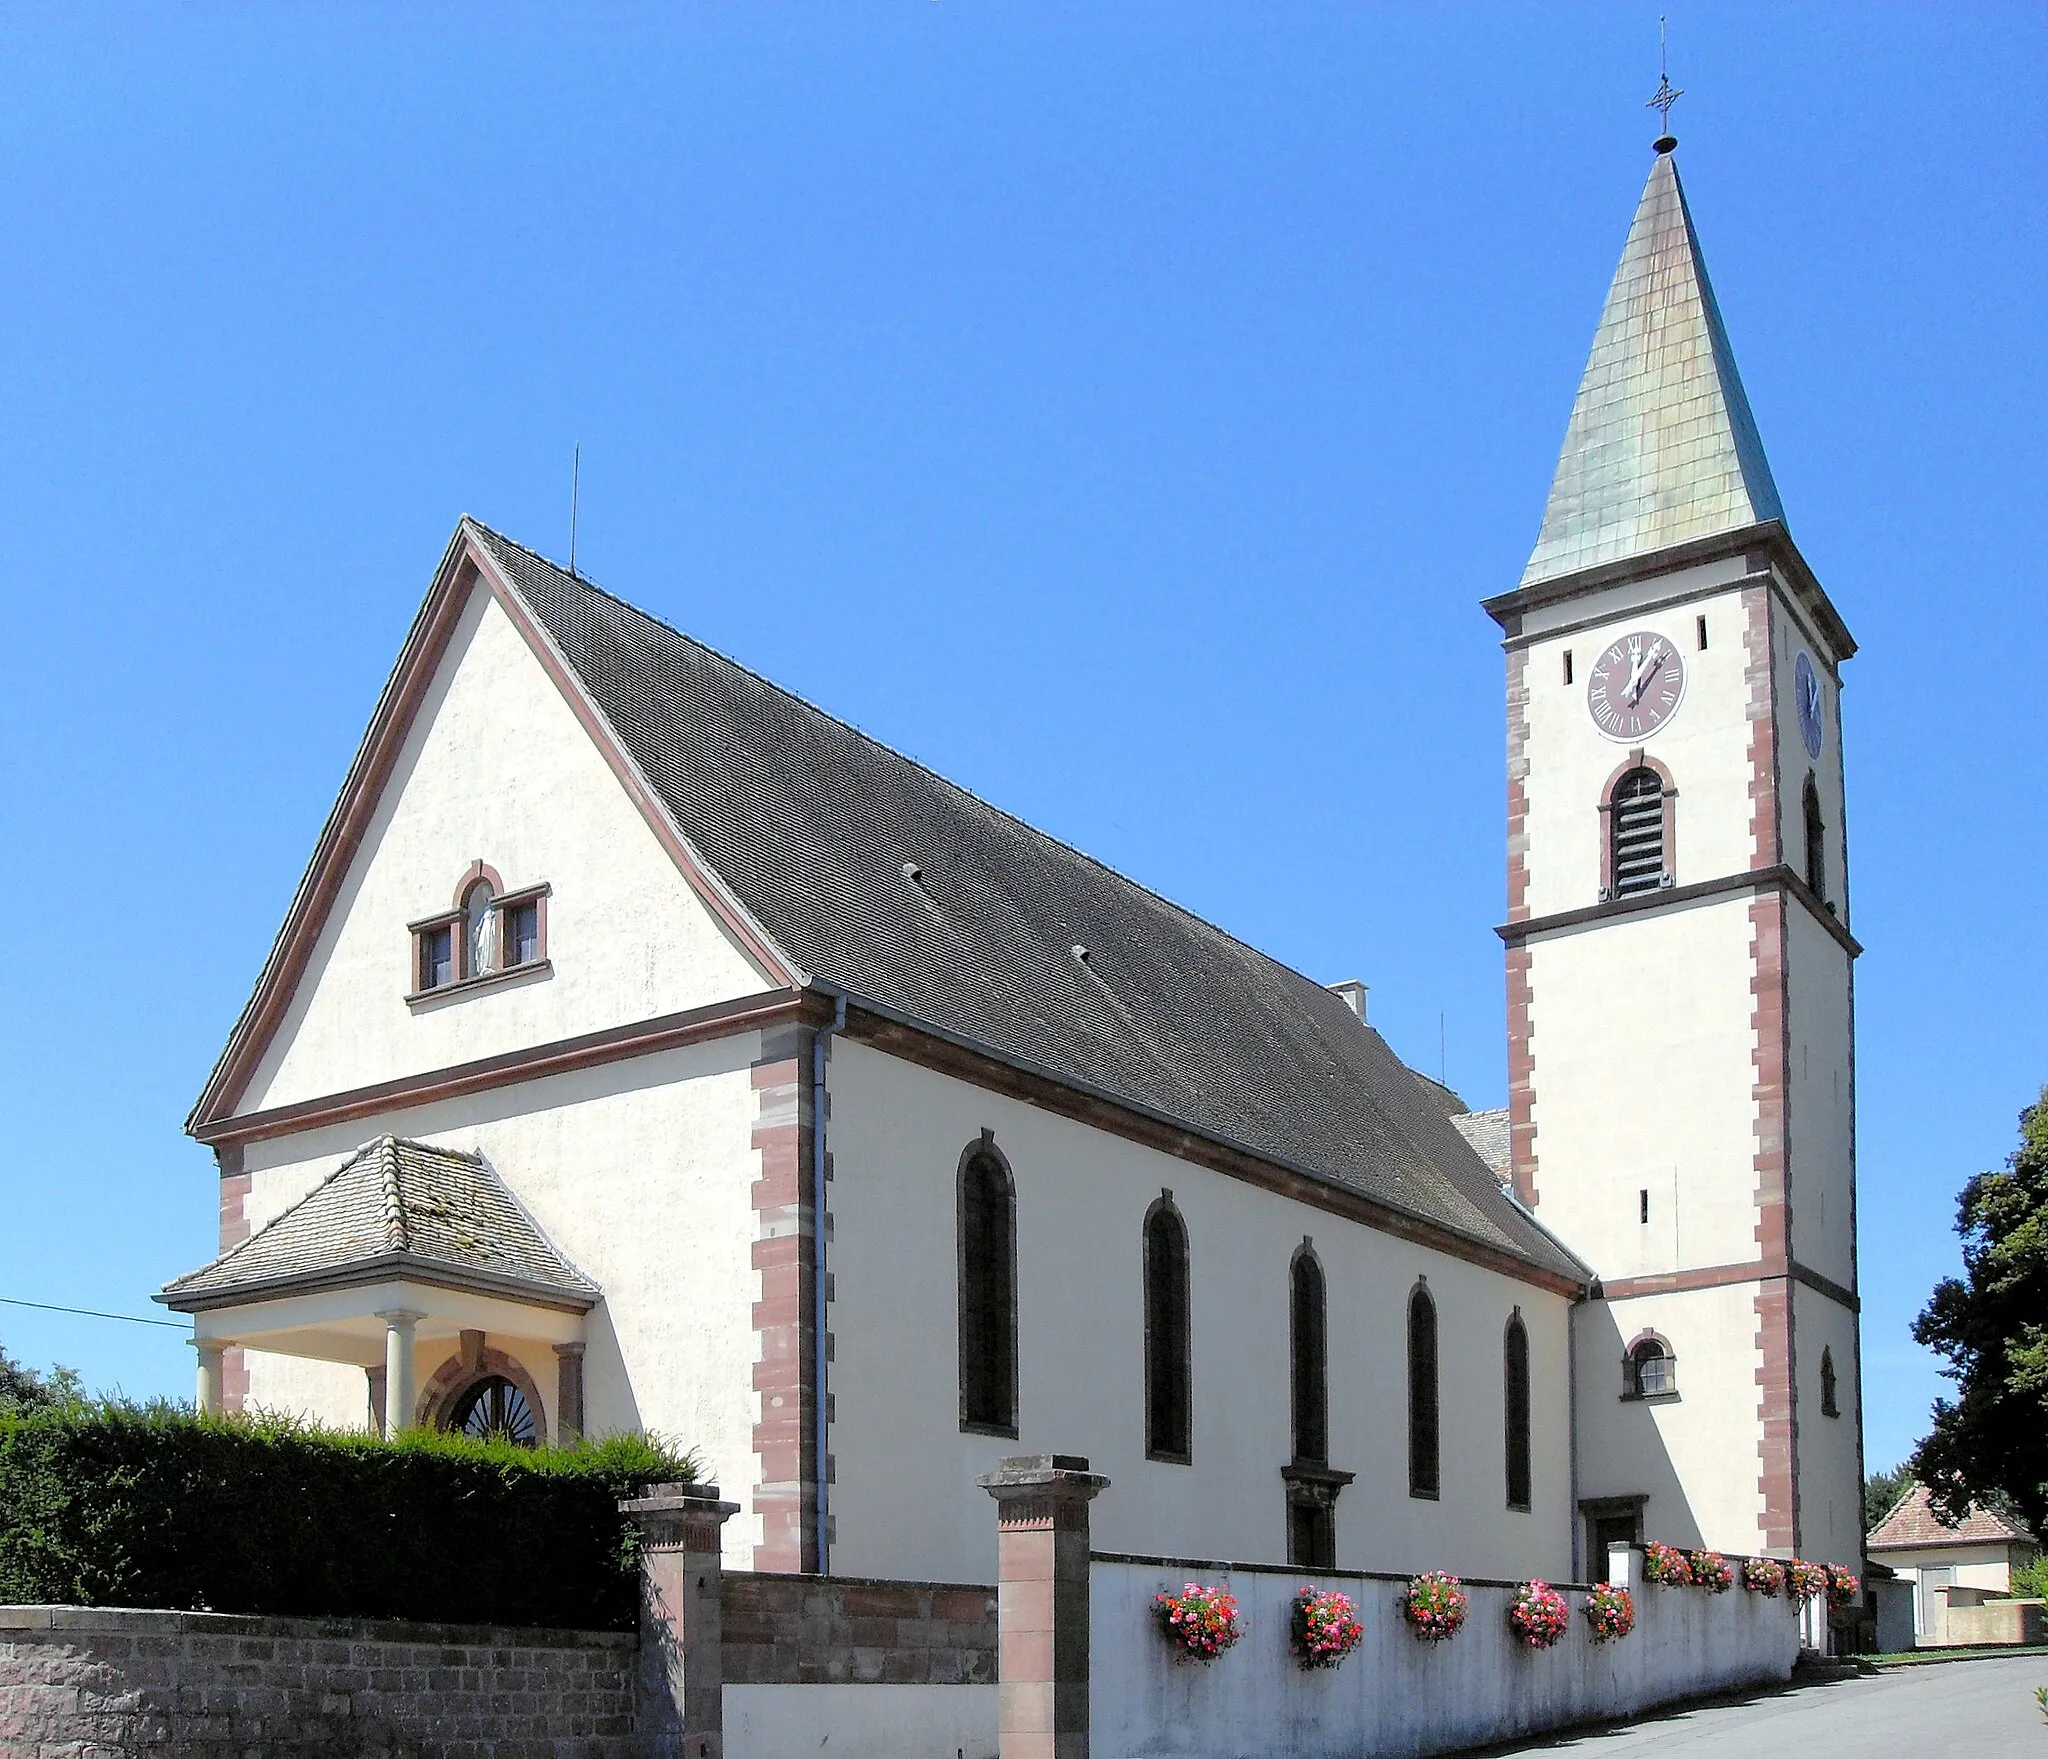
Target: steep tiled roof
[1488,1134]
[1914,1522]
[1000,937]
[392,1207]
[1661,446]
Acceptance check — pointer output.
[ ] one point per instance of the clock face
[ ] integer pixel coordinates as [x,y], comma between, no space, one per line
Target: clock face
[1806,686]
[1636,686]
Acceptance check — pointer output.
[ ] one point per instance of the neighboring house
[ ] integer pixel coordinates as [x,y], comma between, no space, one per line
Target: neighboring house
[646,1049]
[1976,1556]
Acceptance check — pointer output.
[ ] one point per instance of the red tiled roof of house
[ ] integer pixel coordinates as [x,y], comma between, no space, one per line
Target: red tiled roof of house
[1914,1522]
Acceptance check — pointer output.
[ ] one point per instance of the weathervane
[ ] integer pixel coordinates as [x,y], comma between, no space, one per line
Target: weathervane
[1667,93]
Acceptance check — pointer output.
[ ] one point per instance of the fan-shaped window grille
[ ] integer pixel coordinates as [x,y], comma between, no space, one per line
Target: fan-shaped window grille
[1516,1368]
[496,1410]
[1652,1370]
[1169,1400]
[1636,824]
[988,1296]
[1423,1475]
[1311,1379]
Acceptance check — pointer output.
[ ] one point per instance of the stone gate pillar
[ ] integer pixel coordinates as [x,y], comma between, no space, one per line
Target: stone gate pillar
[679,1712]
[1042,1603]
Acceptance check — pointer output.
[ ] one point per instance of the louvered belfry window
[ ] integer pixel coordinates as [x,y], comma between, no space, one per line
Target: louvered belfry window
[1637,826]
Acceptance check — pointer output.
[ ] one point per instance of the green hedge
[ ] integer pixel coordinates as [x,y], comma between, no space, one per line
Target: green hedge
[121,1505]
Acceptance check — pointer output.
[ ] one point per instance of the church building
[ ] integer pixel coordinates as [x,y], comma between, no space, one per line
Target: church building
[645,1049]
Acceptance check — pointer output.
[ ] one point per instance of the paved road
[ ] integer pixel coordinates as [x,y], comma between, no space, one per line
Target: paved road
[1982,1709]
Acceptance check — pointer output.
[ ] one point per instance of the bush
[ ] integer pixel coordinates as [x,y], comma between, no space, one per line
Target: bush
[108,1504]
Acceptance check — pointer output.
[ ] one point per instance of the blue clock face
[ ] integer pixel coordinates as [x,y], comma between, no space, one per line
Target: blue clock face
[1806,686]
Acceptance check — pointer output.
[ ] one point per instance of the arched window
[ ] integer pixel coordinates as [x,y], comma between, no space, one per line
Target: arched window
[988,1294]
[1816,841]
[1635,829]
[1515,1369]
[1650,1370]
[1308,1344]
[493,1409]
[1423,1476]
[479,940]
[1169,1401]
[1828,1406]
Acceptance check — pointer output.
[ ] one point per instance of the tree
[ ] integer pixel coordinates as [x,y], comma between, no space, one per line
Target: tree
[1990,1443]
[23,1389]
[1881,1493]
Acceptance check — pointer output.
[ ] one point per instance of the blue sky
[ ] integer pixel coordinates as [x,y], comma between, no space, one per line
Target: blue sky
[1122,408]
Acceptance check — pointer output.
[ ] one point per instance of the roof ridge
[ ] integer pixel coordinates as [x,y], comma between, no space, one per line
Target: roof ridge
[397,1229]
[903,757]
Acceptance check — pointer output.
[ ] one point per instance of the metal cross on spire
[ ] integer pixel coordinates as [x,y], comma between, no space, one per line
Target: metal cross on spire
[1667,94]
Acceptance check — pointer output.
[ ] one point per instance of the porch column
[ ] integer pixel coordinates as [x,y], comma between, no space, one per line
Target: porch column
[401,1381]
[212,1392]
[1042,1603]
[568,1393]
[680,1710]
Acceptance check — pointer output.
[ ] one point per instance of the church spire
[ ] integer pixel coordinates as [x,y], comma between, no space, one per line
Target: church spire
[1661,447]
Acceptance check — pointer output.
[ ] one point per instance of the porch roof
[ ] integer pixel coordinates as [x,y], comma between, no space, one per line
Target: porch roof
[394,1210]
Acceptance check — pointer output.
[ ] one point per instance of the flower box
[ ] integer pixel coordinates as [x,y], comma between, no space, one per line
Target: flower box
[1325,1628]
[1711,1570]
[1199,1622]
[1611,1612]
[1765,1576]
[1434,1606]
[1538,1615]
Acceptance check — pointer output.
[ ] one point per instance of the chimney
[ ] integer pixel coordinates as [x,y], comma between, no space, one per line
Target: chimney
[1353,993]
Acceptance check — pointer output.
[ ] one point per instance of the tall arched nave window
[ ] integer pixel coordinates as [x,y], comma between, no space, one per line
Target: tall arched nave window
[1515,1378]
[988,1293]
[1816,840]
[1169,1374]
[1424,1477]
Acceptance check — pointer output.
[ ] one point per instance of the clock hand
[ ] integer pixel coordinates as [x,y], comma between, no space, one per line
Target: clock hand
[1656,659]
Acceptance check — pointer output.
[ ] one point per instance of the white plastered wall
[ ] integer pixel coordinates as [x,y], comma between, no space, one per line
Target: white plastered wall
[641,1172]
[496,768]
[1830,1462]
[904,1501]
[1694,1456]
[1705,745]
[1644,1063]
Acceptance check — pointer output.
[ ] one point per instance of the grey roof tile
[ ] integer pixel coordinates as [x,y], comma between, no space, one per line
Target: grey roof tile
[390,1204]
[809,824]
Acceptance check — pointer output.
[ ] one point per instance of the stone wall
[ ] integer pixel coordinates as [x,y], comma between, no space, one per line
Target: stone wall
[1992,1622]
[106,1681]
[839,1630]
[1396,1696]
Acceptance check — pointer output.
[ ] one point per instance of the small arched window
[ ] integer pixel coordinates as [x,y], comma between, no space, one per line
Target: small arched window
[479,938]
[1651,1370]
[988,1294]
[1636,833]
[1169,1401]
[1307,1336]
[1515,1373]
[1816,840]
[1424,1478]
[1828,1405]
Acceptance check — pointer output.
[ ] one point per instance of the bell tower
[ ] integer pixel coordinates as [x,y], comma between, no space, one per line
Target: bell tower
[1679,949]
